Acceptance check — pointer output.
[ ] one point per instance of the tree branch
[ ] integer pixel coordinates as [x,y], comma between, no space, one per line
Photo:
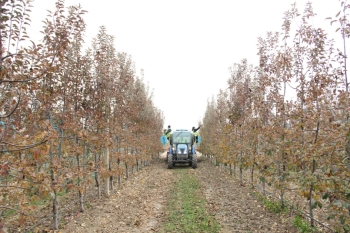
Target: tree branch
[24,147]
[13,110]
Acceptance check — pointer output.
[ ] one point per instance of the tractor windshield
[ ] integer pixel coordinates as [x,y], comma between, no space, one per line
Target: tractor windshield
[182,137]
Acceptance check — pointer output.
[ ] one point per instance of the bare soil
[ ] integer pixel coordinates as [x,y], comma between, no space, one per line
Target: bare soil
[236,207]
[140,204]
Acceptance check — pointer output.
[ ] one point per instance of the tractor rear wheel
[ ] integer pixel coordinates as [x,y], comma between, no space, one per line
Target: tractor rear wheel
[194,161]
[170,161]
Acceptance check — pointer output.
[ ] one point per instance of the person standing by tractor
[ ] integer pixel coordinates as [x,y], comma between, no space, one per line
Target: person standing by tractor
[195,133]
[168,133]
[163,138]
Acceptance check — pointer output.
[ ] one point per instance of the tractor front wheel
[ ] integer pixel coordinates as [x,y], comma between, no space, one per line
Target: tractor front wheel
[194,161]
[170,161]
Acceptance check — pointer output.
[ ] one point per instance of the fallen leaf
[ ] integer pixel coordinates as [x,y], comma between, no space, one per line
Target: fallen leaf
[21,220]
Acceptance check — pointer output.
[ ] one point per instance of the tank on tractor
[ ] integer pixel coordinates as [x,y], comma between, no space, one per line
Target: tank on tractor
[182,149]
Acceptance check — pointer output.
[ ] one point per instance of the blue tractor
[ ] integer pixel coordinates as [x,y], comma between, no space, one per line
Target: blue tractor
[182,149]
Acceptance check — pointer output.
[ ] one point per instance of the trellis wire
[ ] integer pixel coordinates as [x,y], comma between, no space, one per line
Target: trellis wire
[59,212]
[300,211]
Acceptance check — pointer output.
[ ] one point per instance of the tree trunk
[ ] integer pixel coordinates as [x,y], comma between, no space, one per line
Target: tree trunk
[84,157]
[241,174]
[96,178]
[312,222]
[55,211]
[347,148]
[111,186]
[80,188]
[241,168]
[252,175]
[241,162]
[106,163]
[126,170]
[110,168]
[54,188]
[264,187]
[118,167]
[280,180]
[234,170]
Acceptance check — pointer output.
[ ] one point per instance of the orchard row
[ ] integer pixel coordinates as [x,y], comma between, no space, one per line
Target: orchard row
[69,119]
[287,120]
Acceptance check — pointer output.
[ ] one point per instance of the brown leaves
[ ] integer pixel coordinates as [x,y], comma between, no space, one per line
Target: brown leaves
[21,220]
[2,226]
[4,169]
[66,115]
[36,154]
[303,136]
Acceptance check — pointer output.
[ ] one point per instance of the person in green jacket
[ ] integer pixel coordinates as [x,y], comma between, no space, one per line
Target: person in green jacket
[195,133]
[168,133]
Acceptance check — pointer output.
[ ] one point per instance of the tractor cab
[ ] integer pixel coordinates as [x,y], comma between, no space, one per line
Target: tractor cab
[181,148]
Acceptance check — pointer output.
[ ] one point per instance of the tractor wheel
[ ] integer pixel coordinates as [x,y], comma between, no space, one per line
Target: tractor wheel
[194,161]
[170,161]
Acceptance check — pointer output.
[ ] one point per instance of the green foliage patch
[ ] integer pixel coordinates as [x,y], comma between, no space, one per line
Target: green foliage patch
[8,213]
[272,206]
[186,207]
[303,225]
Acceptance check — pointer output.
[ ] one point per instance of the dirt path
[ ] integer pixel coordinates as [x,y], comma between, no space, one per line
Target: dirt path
[236,208]
[136,207]
[140,205]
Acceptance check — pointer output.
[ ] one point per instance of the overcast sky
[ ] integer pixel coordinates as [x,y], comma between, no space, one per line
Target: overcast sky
[185,47]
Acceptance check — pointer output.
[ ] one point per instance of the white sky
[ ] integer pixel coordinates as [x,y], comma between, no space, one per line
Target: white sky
[185,46]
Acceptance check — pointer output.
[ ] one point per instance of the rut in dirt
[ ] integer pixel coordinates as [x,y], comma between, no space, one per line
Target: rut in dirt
[141,204]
